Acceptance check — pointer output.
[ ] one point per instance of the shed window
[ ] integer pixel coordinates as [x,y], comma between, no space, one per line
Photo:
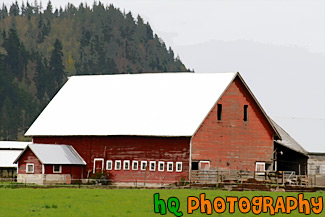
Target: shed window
[179,166]
[126,165]
[170,166]
[109,165]
[245,112]
[161,166]
[152,166]
[135,165]
[29,168]
[219,111]
[143,165]
[118,165]
[57,168]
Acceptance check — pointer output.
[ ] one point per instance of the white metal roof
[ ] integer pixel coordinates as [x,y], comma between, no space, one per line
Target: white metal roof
[55,154]
[13,145]
[7,157]
[157,104]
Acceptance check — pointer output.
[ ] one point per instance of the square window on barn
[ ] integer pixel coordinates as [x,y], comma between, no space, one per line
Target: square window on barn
[126,165]
[195,165]
[245,112]
[135,165]
[179,166]
[29,168]
[57,168]
[109,165]
[118,165]
[152,165]
[204,165]
[143,165]
[260,168]
[170,166]
[161,166]
[219,111]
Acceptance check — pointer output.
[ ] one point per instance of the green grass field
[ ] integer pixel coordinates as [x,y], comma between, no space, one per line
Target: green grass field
[114,202]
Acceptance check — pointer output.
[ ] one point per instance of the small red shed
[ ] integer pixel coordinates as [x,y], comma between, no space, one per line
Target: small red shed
[156,128]
[47,164]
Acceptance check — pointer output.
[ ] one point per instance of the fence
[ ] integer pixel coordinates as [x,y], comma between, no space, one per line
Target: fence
[271,177]
[213,178]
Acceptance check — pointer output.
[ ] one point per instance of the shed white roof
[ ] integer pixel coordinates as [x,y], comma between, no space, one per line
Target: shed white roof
[7,157]
[55,154]
[157,104]
[13,145]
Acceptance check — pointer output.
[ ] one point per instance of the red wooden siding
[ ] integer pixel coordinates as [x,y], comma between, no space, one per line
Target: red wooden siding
[232,143]
[29,157]
[167,149]
[74,170]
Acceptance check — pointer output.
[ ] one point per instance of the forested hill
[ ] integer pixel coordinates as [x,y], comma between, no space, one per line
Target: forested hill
[40,48]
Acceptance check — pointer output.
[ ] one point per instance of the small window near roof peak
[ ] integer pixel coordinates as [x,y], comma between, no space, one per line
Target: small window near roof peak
[245,113]
[219,111]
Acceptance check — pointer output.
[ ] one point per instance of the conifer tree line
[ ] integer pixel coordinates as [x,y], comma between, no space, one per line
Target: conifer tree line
[41,47]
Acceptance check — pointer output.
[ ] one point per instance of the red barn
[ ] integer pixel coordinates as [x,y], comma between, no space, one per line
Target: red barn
[156,128]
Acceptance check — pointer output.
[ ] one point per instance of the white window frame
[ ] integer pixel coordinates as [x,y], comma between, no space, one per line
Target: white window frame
[259,172]
[109,161]
[170,163]
[135,162]
[98,159]
[163,166]
[124,164]
[30,164]
[115,165]
[154,163]
[203,161]
[145,163]
[60,169]
[179,163]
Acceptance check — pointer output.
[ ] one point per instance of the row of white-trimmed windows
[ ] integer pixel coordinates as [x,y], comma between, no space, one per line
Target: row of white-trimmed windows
[143,165]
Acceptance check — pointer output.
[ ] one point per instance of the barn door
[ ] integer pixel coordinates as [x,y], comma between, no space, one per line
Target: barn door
[98,165]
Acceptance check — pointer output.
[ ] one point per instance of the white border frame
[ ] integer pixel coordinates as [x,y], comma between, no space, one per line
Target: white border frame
[115,164]
[109,161]
[204,161]
[179,163]
[144,162]
[152,162]
[60,168]
[98,159]
[163,168]
[126,162]
[170,163]
[133,162]
[30,164]
[259,172]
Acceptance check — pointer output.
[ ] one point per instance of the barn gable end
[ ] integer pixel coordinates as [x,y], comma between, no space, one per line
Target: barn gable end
[233,143]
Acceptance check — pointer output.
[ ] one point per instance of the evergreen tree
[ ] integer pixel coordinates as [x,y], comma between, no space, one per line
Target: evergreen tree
[97,40]
[56,64]
[17,56]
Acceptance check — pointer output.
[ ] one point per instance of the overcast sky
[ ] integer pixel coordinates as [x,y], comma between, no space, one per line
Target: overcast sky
[278,46]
